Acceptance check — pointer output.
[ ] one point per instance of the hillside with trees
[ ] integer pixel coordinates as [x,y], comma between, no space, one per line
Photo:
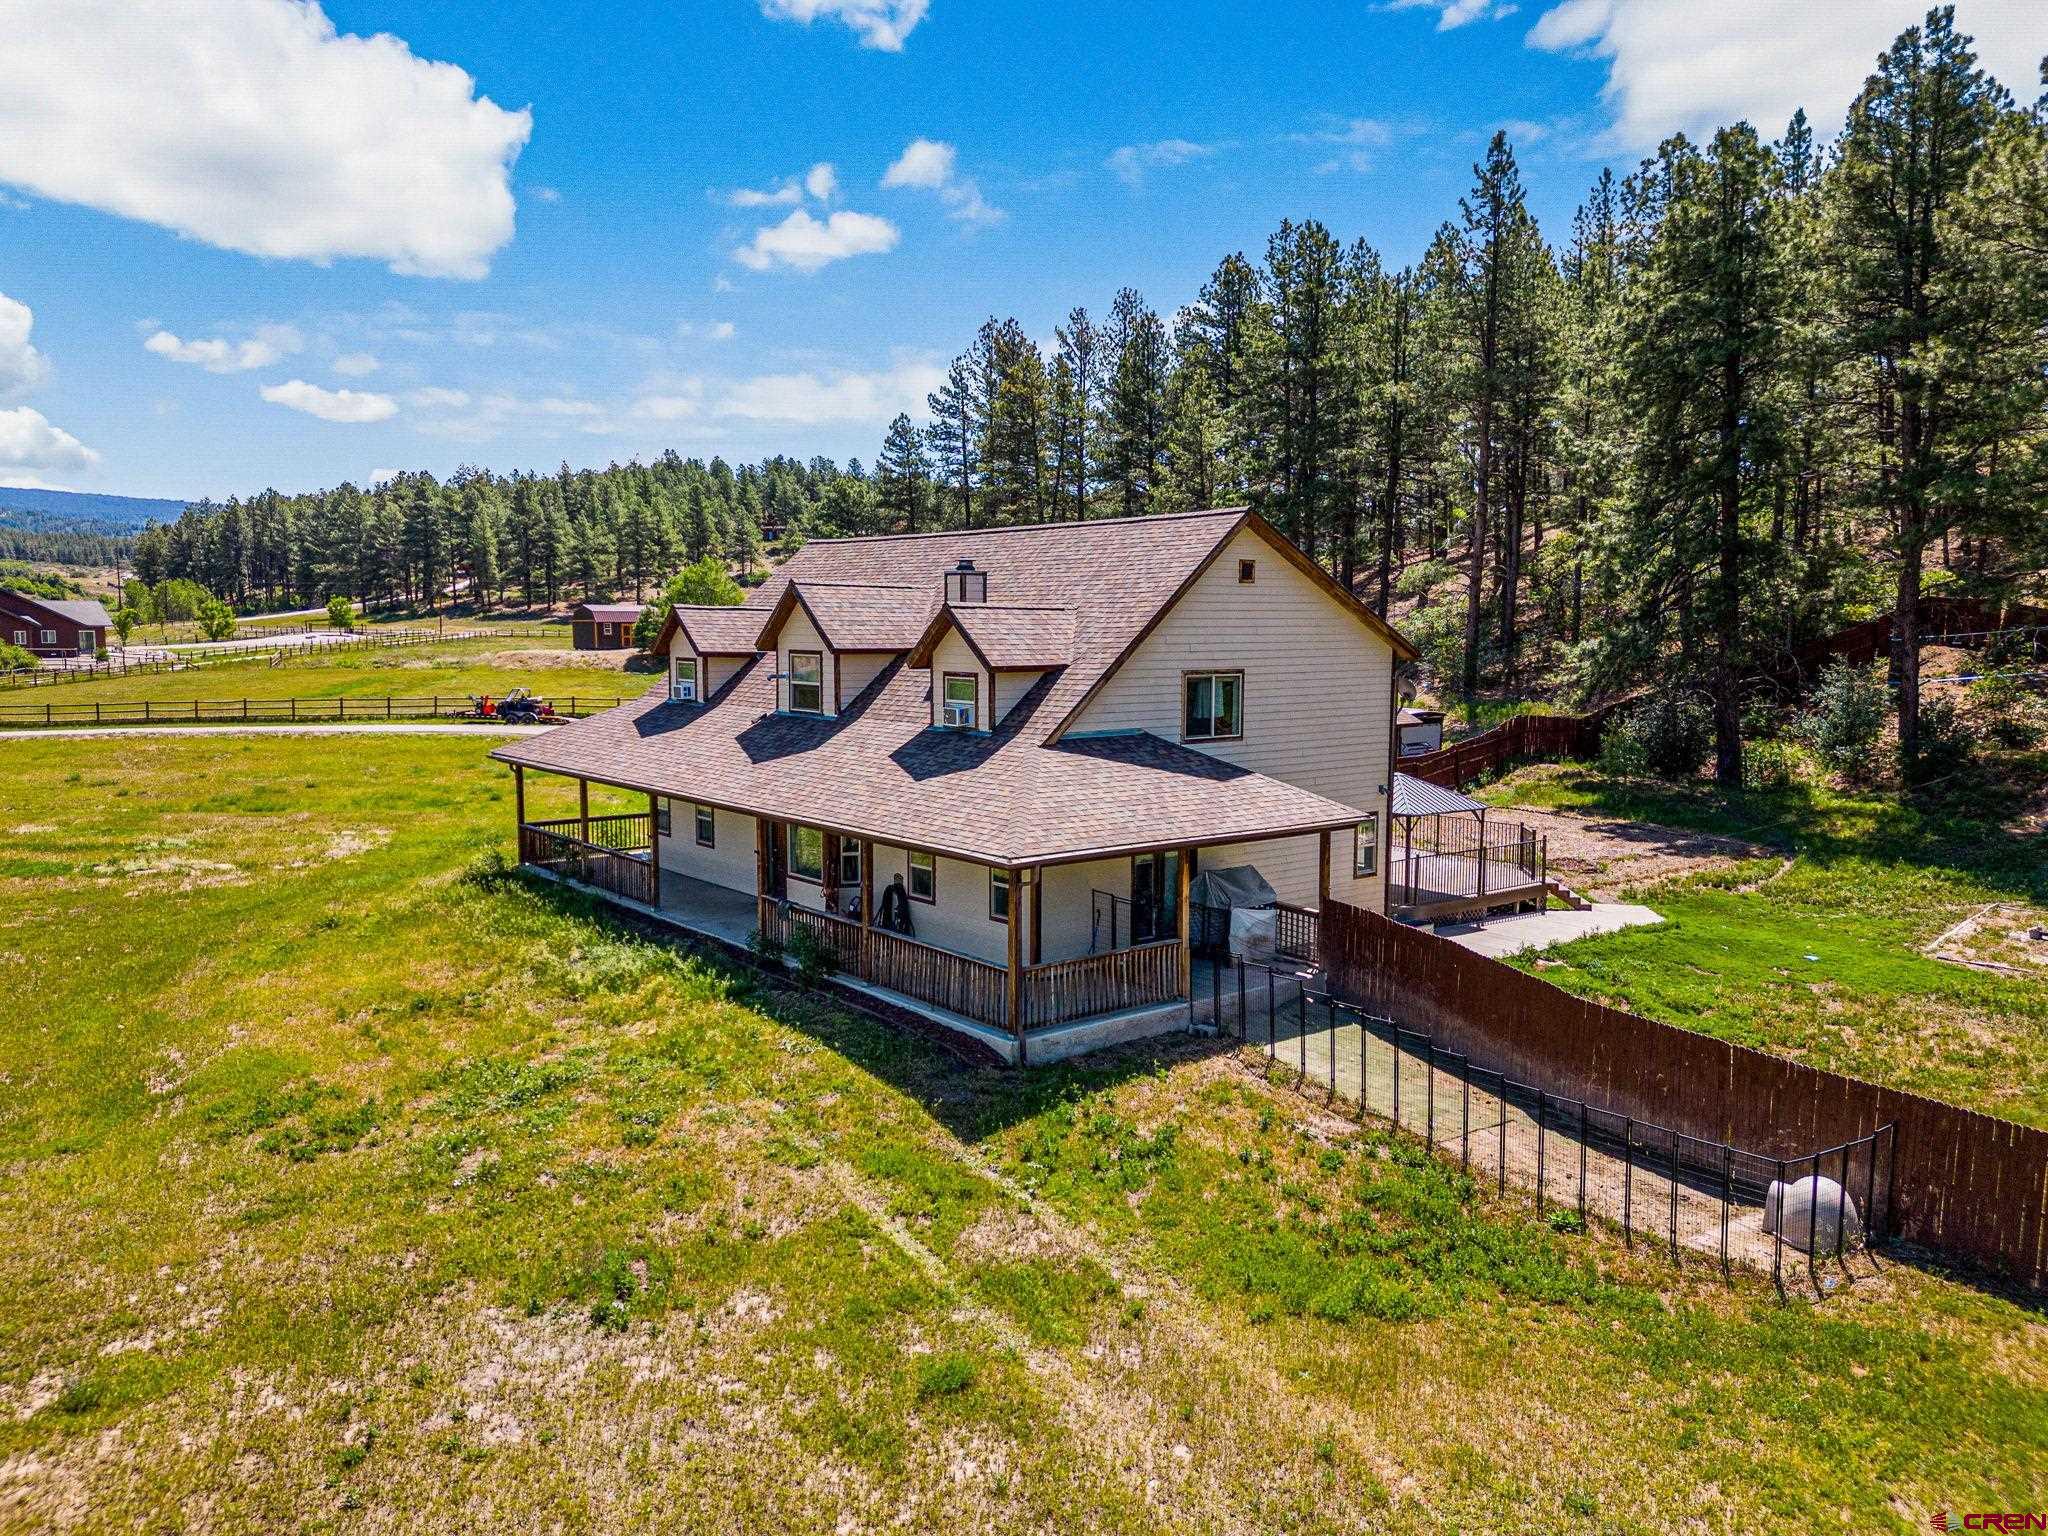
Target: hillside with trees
[1758,388]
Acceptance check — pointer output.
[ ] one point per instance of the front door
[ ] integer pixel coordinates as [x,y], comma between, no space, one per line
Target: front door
[1155,896]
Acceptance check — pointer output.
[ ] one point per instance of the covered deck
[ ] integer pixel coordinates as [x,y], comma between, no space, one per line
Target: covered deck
[1450,861]
[1024,1010]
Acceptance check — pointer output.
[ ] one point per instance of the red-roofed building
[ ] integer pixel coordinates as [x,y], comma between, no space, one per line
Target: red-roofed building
[1033,737]
[603,626]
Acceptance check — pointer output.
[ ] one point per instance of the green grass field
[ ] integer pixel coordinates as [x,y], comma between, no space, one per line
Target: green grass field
[353,1184]
[449,669]
[1824,962]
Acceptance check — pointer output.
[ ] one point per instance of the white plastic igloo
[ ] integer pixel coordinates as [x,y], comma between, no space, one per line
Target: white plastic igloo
[1813,1206]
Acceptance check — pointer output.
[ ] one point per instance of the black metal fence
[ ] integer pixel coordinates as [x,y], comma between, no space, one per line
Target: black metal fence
[1695,1199]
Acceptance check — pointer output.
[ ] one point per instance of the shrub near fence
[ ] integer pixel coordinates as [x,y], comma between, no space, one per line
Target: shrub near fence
[1966,1183]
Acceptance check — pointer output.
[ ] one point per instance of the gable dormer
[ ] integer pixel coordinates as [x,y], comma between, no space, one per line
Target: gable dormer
[832,638]
[705,647]
[985,657]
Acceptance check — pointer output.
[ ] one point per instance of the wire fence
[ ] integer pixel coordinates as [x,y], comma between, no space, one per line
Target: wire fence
[242,711]
[1805,1220]
[319,642]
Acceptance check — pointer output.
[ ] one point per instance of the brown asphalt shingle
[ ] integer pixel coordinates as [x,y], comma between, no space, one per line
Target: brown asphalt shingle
[878,770]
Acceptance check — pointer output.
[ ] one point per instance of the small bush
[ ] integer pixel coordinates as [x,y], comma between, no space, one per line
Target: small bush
[946,1375]
[1946,735]
[1666,737]
[13,658]
[766,949]
[1769,764]
[489,870]
[1846,719]
[1567,1221]
[216,619]
[815,959]
[341,613]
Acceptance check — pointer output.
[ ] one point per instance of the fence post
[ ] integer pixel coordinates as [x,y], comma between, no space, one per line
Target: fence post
[1465,1115]
[1331,1003]
[1429,1116]
[1628,1179]
[1272,1037]
[1397,1076]
[1674,1197]
[1243,1022]
[1727,1198]
[1841,1205]
[1813,1220]
[1539,1151]
[1503,1170]
[1301,1036]
[1778,1231]
[1870,1195]
[1582,1160]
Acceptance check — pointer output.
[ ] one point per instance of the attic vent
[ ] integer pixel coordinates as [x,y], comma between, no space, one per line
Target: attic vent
[964,584]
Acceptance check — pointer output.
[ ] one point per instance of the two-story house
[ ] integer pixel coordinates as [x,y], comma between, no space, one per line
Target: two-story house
[985,767]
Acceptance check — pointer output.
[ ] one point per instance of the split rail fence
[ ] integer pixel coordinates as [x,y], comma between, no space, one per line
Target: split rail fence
[239,711]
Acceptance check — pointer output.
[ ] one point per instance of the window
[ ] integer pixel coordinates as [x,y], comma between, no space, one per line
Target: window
[707,828]
[682,684]
[960,703]
[87,641]
[1365,847]
[849,864]
[807,682]
[1212,707]
[49,637]
[1247,572]
[999,895]
[924,877]
[807,854]
[21,637]
[661,817]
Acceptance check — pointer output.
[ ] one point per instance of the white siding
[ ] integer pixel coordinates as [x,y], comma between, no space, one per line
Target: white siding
[1010,687]
[1067,929]
[719,671]
[1318,698]
[683,663]
[952,655]
[799,634]
[859,668]
[729,862]
[959,919]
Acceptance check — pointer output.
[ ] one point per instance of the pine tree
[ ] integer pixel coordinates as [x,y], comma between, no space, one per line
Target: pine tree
[1134,411]
[904,474]
[952,439]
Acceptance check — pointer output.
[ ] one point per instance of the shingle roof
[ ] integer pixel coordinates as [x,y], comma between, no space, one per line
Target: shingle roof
[854,615]
[1417,797]
[876,771]
[78,610]
[1008,637]
[612,613]
[1017,796]
[714,631]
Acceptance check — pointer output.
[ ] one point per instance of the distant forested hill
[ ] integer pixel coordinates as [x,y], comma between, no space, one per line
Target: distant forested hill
[33,511]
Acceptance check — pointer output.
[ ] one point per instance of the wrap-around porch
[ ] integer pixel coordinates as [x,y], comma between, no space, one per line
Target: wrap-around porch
[1038,1002]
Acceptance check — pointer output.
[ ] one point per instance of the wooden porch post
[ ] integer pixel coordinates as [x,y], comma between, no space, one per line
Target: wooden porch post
[519,794]
[654,845]
[1013,980]
[1187,953]
[583,806]
[1323,871]
[867,884]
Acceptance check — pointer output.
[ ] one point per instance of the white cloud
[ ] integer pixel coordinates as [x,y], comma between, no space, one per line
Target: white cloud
[353,365]
[932,166]
[353,406]
[384,476]
[813,399]
[218,355]
[807,244]
[29,444]
[821,181]
[1452,14]
[1133,160]
[542,194]
[882,24]
[1355,140]
[1677,64]
[924,163]
[22,367]
[666,407]
[437,399]
[723,330]
[252,125]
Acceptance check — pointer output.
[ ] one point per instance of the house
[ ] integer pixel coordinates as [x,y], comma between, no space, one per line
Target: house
[983,767]
[50,626]
[603,626]
[1421,731]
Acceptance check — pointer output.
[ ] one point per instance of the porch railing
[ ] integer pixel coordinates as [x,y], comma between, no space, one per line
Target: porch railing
[1135,977]
[958,983]
[1295,936]
[616,870]
[1464,863]
[626,830]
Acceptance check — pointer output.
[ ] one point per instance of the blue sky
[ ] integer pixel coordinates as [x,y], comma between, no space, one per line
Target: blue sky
[241,246]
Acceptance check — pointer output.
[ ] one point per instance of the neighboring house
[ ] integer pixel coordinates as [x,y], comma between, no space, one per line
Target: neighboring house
[603,626]
[1422,730]
[50,626]
[1039,733]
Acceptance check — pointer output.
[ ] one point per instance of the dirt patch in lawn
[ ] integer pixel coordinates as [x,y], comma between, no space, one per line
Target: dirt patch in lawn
[1999,937]
[1602,856]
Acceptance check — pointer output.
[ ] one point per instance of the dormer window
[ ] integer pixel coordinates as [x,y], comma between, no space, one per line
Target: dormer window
[960,702]
[807,682]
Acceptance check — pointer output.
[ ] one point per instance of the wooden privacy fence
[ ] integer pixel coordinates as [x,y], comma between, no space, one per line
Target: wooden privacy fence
[1548,736]
[172,711]
[1963,1182]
